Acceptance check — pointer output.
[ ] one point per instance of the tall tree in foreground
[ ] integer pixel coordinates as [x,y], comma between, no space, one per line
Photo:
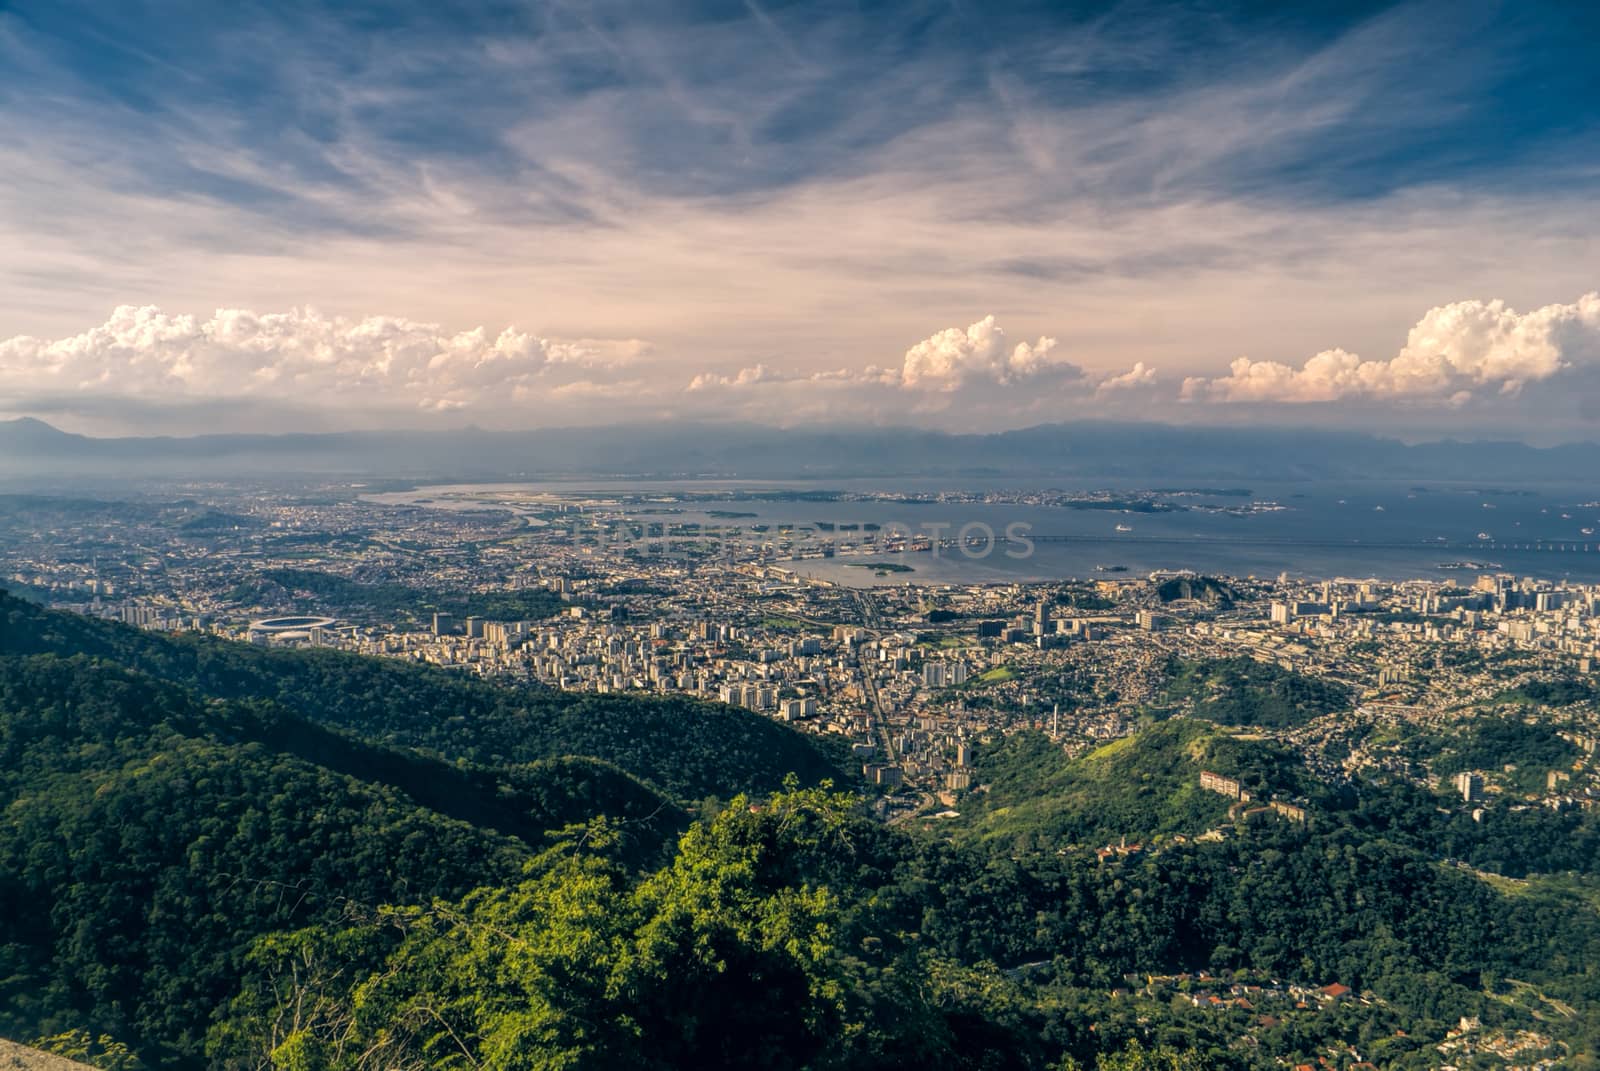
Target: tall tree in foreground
[721,959]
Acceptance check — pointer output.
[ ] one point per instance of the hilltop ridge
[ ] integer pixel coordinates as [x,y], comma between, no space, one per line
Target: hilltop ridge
[1082,448]
[687,748]
[1143,785]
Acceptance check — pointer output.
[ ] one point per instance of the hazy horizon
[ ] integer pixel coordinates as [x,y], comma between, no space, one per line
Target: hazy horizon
[1403,437]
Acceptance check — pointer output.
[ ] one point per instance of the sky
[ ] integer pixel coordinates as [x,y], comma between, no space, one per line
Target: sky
[296,215]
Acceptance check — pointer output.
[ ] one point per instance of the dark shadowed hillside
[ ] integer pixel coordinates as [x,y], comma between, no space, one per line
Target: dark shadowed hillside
[687,748]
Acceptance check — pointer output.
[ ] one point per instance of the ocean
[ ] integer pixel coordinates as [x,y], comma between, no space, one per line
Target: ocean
[1377,529]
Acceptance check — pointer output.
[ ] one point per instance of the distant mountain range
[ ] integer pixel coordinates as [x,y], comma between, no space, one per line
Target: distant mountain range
[1085,450]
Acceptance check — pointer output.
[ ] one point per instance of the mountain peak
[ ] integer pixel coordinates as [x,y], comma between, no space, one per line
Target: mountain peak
[28,423]
[31,431]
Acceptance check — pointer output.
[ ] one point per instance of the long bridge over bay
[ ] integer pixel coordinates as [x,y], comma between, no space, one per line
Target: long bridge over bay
[1558,546]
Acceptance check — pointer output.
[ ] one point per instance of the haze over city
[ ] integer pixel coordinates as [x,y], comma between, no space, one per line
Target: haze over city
[308,216]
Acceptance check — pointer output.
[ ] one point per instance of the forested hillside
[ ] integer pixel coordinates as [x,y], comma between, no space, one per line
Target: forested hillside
[308,590]
[1134,787]
[688,749]
[169,799]
[798,933]
[222,856]
[144,846]
[1243,691]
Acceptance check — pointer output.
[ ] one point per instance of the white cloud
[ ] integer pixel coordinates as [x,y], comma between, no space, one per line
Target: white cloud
[585,390]
[953,358]
[1479,356]
[745,377]
[1140,375]
[660,205]
[943,363]
[596,352]
[141,351]
[1452,352]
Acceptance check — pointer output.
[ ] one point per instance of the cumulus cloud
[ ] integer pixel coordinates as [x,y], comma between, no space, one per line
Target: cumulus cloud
[760,375]
[745,377]
[141,351]
[1140,375]
[947,361]
[1453,353]
[954,358]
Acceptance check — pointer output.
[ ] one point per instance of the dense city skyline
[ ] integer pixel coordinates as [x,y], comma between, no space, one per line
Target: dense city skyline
[316,217]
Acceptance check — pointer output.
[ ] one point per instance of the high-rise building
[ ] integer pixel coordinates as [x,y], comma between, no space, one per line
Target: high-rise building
[1226,786]
[1469,784]
[795,709]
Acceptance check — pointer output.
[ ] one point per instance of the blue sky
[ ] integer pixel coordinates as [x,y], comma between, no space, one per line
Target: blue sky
[939,213]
